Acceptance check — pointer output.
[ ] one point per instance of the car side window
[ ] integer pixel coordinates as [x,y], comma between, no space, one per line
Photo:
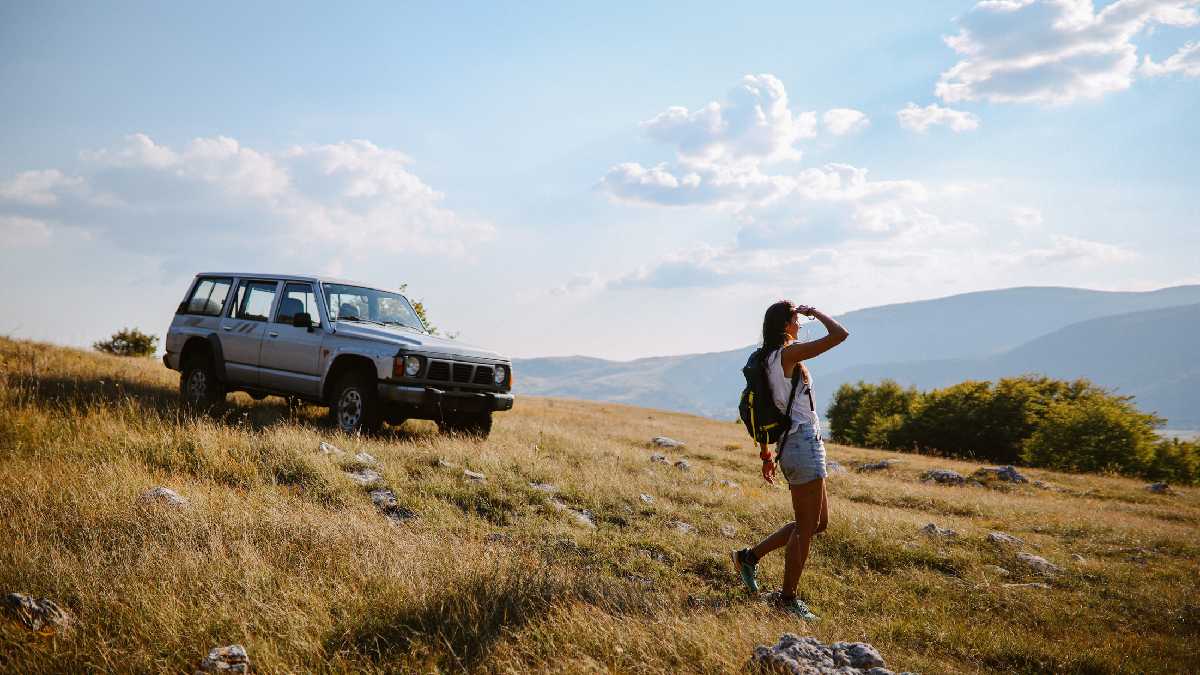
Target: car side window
[209,297]
[297,299]
[254,299]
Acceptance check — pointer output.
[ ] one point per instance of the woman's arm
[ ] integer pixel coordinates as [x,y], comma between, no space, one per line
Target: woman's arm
[802,351]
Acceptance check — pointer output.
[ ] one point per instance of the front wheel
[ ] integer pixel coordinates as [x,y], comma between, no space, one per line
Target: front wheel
[355,405]
[475,425]
[198,384]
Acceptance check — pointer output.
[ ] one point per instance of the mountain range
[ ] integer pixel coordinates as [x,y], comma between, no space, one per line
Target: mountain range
[1137,343]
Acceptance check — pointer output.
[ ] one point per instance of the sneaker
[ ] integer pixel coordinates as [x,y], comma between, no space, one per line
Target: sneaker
[744,569]
[794,606]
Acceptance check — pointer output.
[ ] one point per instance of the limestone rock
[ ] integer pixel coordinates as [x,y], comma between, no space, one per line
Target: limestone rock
[996,569]
[664,442]
[582,517]
[329,449]
[364,458]
[1008,474]
[683,465]
[1039,564]
[164,495]
[944,477]
[544,487]
[728,530]
[881,464]
[1077,558]
[364,476]
[441,463]
[473,476]
[935,531]
[231,659]
[681,527]
[808,656]
[38,615]
[1159,488]
[1003,538]
[658,458]
[385,501]
[646,498]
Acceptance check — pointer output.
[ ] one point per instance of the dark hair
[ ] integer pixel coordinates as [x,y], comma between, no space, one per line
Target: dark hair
[775,321]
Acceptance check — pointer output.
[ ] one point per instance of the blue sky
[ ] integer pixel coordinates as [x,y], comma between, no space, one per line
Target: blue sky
[570,179]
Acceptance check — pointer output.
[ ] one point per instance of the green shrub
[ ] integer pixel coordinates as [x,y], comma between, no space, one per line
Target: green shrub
[1093,434]
[1175,461]
[128,342]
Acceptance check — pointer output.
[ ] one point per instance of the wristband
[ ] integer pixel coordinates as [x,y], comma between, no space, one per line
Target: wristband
[765,456]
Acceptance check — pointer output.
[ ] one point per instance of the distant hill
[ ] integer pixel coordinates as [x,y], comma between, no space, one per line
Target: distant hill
[927,343]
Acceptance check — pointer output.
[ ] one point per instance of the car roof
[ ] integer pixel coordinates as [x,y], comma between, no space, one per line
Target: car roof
[294,277]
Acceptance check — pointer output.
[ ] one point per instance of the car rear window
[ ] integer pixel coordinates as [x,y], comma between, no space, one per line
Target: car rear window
[209,297]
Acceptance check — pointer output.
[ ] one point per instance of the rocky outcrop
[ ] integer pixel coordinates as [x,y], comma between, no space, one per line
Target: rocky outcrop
[163,495]
[878,466]
[385,500]
[940,532]
[664,442]
[809,656]
[474,476]
[683,465]
[1039,564]
[364,476]
[943,477]
[1003,538]
[36,615]
[1007,474]
[231,659]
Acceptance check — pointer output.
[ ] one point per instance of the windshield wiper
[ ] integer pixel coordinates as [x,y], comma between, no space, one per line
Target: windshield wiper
[403,325]
[359,318]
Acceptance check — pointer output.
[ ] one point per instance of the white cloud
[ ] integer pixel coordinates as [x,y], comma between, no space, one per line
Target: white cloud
[842,121]
[1065,249]
[21,232]
[1052,51]
[37,188]
[754,124]
[918,119]
[1026,217]
[218,198]
[1186,62]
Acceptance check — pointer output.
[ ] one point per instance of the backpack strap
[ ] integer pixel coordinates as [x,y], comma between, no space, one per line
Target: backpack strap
[788,414]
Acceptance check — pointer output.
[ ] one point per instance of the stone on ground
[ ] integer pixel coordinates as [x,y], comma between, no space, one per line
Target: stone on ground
[935,531]
[729,484]
[681,527]
[881,464]
[728,530]
[1003,538]
[683,465]
[37,615]
[658,458]
[664,442]
[474,476]
[807,655]
[231,659]
[544,487]
[944,477]
[1159,488]
[646,498]
[385,501]
[164,495]
[1039,564]
[365,458]
[1008,474]
[582,517]
[364,476]
[329,449]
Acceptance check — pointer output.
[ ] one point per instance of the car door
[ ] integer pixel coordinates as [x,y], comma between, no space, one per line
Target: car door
[242,330]
[290,355]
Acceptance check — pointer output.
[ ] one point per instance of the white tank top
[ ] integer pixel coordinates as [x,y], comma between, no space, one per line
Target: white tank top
[781,387]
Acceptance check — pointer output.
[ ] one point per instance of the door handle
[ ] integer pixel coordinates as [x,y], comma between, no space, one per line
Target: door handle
[273,334]
[229,327]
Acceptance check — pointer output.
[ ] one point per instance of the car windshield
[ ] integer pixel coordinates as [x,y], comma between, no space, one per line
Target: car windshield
[357,303]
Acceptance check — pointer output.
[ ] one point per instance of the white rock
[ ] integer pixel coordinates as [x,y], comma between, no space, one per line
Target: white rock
[544,487]
[935,531]
[729,531]
[231,659]
[683,465]
[474,476]
[1077,558]
[329,449]
[1039,564]
[881,464]
[38,615]
[364,476]
[646,498]
[681,527]
[1008,474]
[807,655]
[364,458]
[664,442]
[1003,538]
[385,501]
[164,495]
[944,477]
[658,458]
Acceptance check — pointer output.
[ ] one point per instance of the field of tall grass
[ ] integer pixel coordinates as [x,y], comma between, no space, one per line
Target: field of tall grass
[280,551]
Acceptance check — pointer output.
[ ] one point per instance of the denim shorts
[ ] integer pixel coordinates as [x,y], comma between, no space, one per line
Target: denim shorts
[802,458]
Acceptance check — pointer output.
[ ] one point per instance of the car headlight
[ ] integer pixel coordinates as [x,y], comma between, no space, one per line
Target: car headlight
[500,374]
[412,365]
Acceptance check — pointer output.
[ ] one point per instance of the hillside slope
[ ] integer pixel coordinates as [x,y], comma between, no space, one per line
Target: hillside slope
[942,341]
[280,550]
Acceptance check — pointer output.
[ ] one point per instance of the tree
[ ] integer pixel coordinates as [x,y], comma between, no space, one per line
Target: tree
[128,342]
[1097,433]
[419,307]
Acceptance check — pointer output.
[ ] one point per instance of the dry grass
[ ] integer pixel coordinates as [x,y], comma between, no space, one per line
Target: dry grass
[281,552]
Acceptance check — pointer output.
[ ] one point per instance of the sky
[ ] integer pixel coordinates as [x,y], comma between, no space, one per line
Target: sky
[569,178]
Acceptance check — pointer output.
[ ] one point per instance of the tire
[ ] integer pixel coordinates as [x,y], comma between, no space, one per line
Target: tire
[474,425]
[199,387]
[355,405]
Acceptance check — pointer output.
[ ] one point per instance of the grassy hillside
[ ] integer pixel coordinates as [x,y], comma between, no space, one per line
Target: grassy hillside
[280,551]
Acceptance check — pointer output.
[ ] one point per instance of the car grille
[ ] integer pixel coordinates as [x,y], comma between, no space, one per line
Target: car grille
[458,372]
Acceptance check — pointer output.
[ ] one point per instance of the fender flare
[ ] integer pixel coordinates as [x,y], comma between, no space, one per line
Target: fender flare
[214,343]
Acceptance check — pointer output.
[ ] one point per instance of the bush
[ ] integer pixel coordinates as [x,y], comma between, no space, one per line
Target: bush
[128,342]
[1175,461]
[1093,434]
[870,415]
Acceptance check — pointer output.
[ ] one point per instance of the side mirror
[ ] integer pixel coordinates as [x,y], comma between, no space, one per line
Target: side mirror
[302,320]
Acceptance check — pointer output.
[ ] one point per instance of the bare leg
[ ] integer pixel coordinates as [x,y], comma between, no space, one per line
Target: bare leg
[806,502]
[823,519]
[776,539]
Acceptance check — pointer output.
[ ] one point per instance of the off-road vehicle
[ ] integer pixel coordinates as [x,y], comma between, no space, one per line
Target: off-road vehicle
[363,351]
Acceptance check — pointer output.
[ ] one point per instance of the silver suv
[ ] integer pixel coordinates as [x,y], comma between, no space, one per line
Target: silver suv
[362,351]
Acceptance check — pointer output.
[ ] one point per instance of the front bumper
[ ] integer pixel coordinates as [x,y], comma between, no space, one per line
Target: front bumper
[434,402]
[171,360]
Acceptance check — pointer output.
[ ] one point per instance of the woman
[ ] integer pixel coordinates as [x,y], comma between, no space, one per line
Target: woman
[801,453]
